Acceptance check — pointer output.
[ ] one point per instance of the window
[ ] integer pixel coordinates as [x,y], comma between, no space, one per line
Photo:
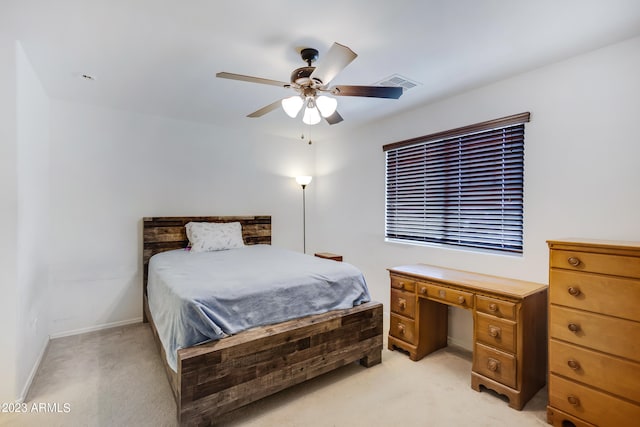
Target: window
[462,187]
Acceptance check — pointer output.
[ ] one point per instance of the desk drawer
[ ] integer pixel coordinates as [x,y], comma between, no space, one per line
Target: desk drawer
[591,405]
[495,364]
[446,295]
[403,283]
[403,303]
[615,265]
[617,376]
[402,328]
[593,292]
[496,332]
[496,307]
[608,334]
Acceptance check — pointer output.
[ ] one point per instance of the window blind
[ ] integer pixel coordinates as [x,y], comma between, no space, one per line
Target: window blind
[462,187]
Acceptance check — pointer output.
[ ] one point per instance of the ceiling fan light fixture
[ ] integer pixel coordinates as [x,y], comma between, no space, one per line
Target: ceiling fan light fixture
[292,105]
[311,115]
[326,105]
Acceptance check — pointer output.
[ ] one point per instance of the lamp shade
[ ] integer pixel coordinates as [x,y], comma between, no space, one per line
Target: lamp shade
[304,180]
[311,116]
[292,105]
[326,105]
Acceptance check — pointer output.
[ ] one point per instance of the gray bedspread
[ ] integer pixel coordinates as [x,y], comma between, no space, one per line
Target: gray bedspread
[199,297]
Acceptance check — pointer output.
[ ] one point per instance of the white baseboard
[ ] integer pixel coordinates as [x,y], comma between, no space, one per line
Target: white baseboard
[96,328]
[34,371]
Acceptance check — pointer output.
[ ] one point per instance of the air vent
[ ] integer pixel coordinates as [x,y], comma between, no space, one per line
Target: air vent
[396,80]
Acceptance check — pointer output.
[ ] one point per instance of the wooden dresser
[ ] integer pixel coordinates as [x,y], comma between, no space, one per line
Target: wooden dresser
[594,333]
[510,322]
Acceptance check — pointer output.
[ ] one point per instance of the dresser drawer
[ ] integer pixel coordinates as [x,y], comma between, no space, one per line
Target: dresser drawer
[617,376]
[496,307]
[403,303]
[615,265]
[403,283]
[496,332]
[591,405]
[602,294]
[495,364]
[608,334]
[446,295]
[403,329]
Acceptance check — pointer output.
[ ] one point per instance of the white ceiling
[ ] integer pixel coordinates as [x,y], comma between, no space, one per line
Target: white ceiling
[160,57]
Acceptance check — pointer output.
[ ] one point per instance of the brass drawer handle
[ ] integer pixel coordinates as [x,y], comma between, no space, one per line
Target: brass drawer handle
[574,291]
[573,364]
[494,331]
[573,327]
[402,304]
[460,299]
[573,400]
[573,261]
[493,365]
[493,307]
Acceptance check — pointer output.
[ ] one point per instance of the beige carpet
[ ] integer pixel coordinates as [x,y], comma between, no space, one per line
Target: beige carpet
[116,378]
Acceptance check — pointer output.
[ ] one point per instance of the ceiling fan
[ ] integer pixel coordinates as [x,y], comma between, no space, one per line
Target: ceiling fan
[312,83]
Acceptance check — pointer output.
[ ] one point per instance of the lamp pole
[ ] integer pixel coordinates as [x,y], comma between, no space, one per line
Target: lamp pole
[304,181]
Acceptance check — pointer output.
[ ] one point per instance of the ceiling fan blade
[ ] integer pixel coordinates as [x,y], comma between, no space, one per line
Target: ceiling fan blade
[334,118]
[337,58]
[369,91]
[264,110]
[251,79]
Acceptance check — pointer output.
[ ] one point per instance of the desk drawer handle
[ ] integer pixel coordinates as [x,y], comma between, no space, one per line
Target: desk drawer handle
[573,327]
[494,331]
[493,365]
[460,299]
[573,364]
[423,290]
[573,261]
[401,284]
[493,307]
[401,328]
[402,304]
[574,291]
[573,400]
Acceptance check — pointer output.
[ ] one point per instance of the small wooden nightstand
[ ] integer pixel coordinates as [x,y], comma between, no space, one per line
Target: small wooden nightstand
[328,255]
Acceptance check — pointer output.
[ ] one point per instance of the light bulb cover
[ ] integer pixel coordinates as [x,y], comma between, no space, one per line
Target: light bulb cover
[311,116]
[304,179]
[326,105]
[292,105]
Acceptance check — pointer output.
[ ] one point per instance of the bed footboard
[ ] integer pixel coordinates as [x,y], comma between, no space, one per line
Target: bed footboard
[219,377]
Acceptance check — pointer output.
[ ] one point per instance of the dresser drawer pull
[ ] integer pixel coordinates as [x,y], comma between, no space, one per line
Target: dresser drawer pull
[401,328]
[460,299]
[573,364]
[493,307]
[402,304]
[493,365]
[573,261]
[573,400]
[401,284]
[494,331]
[575,291]
[423,290]
[573,327]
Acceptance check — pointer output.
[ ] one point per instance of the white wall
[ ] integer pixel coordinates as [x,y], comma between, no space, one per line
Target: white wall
[110,168]
[8,219]
[33,221]
[581,169]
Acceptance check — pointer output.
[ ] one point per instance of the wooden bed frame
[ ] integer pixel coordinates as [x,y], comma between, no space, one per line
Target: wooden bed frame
[216,378]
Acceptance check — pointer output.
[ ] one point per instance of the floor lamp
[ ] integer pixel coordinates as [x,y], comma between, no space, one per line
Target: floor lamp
[304,181]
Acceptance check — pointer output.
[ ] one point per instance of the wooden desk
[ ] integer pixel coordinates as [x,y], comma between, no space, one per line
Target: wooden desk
[509,316]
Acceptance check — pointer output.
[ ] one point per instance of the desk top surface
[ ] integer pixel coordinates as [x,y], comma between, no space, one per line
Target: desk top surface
[473,281]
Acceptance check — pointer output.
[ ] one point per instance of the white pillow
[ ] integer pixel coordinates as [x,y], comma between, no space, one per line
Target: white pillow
[214,236]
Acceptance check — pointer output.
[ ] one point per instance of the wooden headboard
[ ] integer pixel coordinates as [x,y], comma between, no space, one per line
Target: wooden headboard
[161,234]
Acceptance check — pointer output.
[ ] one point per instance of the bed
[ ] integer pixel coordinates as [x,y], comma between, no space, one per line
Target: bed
[218,377]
